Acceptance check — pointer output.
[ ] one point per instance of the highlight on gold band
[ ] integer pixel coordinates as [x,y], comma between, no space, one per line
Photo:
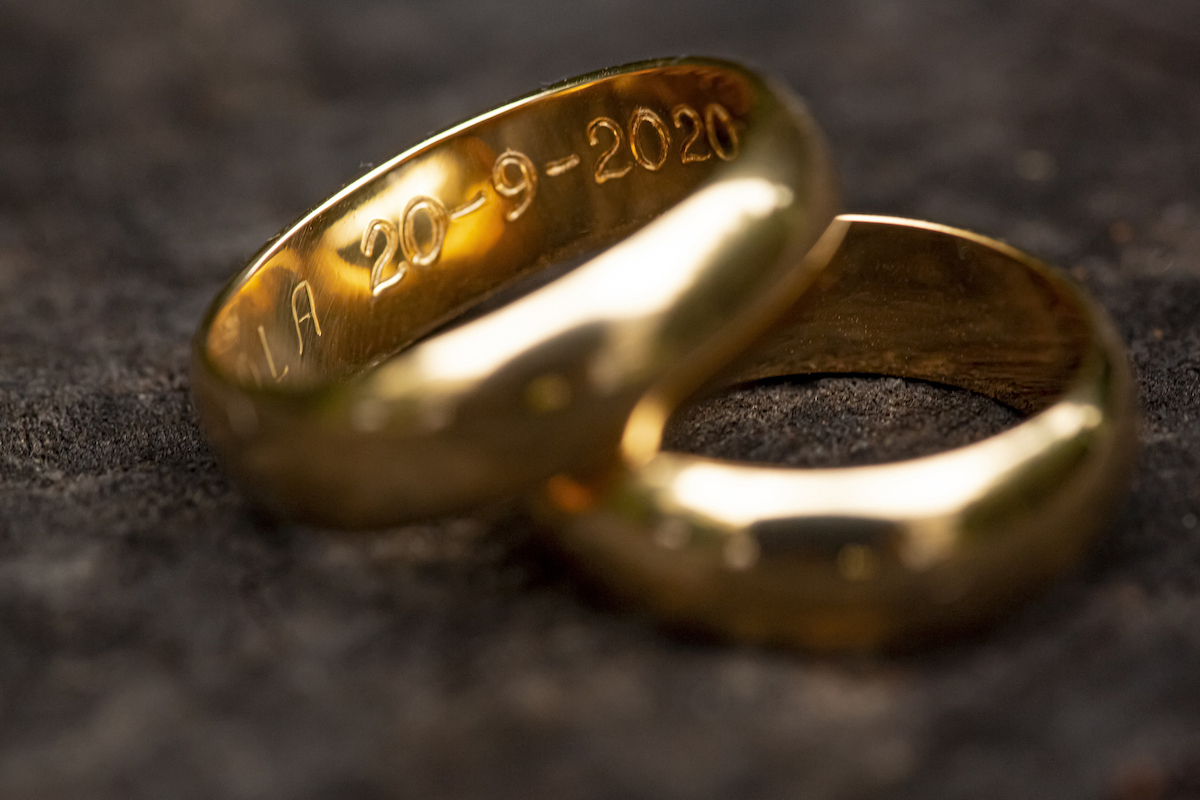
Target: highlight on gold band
[323,376]
[896,554]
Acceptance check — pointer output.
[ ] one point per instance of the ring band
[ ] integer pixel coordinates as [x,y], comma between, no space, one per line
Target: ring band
[706,184]
[895,554]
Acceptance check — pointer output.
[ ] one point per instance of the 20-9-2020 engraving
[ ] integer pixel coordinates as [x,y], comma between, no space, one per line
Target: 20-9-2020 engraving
[396,246]
[515,178]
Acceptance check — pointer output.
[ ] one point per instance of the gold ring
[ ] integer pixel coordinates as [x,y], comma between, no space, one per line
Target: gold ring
[890,555]
[319,372]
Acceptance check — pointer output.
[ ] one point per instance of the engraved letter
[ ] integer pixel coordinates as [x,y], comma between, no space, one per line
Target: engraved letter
[714,113]
[278,376]
[439,222]
[391,239]
[311,314]
[644,116]
[611,125]
[562,165]
[471,206]
[679,114]
[526,185]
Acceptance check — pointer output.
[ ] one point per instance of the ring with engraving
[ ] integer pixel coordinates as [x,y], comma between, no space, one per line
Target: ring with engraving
[889,555]
[694,201]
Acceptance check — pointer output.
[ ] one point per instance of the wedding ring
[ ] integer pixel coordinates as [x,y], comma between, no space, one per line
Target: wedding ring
[896,554]
[323,375]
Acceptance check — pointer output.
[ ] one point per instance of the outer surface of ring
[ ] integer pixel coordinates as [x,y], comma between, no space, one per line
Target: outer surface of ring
[894,554]
[707,186]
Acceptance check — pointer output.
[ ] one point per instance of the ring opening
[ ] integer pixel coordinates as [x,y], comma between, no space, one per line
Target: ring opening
[930,303]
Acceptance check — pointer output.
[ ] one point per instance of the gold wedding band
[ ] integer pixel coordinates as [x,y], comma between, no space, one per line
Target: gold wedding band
[701,200]
[319,372]
[894,554]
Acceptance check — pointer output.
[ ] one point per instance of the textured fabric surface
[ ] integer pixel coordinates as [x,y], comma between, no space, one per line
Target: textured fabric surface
[157,640]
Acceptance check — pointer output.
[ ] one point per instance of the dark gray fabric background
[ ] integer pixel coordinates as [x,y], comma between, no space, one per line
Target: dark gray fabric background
[156,640]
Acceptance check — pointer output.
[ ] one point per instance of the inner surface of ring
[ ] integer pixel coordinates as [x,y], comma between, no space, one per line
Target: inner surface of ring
[924,302]
[422,239]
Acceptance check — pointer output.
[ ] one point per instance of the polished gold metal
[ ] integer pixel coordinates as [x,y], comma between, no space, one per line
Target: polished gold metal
[895,554]
[320,374]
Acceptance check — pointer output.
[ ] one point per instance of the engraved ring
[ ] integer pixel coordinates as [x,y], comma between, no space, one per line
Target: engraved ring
[894,554]
[699,198]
